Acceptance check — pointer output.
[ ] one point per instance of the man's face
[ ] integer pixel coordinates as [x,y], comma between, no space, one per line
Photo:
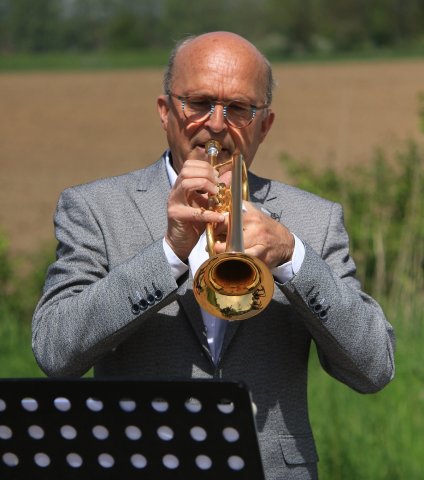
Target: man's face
[221,72]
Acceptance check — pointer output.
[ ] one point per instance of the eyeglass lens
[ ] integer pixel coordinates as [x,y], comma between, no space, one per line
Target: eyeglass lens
[237,114]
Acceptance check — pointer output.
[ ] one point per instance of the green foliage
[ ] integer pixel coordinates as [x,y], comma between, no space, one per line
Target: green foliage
[18,296]
[98,60]
[30,26]
[5,267]
[384,208]
[379,436]
[282,28]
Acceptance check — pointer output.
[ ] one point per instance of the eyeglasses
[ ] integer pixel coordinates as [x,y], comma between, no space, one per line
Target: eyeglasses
[198,108]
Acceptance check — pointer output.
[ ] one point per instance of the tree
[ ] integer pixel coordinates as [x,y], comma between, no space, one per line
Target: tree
[33,26]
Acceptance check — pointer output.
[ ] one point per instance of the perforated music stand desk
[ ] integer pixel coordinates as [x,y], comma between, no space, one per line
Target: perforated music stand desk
[88,429]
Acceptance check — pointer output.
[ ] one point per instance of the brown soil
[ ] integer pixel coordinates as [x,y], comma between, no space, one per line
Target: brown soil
[59,129]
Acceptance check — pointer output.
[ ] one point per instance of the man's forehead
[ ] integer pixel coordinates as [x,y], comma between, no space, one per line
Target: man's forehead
[216,69]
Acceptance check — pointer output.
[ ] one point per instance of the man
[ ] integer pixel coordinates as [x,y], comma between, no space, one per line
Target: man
[119,297]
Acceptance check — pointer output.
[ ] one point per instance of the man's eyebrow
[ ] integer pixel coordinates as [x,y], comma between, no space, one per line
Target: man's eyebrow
[215,99]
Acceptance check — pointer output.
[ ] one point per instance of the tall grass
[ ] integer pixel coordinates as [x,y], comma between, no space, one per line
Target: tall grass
[83,61]
[158,57]
[384,214]
[380,436]
[18,296]
[359,437]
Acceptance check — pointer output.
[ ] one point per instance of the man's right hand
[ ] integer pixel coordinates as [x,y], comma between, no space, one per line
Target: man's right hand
[188,211]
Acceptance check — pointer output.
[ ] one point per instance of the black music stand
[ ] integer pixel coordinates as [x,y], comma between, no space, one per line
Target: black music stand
[89,429]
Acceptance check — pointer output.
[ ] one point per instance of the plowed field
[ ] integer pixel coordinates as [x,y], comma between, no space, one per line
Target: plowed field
[59,129]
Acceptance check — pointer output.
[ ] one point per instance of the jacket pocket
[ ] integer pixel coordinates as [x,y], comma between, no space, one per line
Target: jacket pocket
[298,449]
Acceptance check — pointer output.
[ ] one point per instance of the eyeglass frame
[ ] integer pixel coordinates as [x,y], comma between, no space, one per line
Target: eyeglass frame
[183,99]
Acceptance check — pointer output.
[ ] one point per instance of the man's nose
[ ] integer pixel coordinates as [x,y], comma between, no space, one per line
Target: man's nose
[216,121]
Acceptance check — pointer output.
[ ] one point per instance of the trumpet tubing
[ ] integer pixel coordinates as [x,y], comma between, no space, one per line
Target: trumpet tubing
[232,285]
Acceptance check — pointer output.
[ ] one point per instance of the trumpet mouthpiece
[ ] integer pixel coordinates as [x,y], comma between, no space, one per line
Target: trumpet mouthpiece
[213,147]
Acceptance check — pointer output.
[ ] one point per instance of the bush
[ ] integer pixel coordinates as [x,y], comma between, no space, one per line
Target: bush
[384,208]
[19,294]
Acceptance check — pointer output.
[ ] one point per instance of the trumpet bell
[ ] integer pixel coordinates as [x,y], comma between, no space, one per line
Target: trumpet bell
[233,286]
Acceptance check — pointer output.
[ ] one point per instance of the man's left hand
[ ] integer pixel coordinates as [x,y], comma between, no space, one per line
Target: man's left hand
[264,237]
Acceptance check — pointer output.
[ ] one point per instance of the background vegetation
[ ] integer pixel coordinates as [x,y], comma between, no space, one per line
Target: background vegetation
[281,28]
[378,437]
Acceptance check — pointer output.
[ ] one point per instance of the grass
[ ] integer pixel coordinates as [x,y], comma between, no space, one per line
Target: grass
[372,437]
[19,293]
[16,358]
[153,58]
[63,61]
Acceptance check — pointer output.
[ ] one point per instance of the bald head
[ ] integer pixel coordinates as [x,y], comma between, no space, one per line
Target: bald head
[194,48]
[232,78]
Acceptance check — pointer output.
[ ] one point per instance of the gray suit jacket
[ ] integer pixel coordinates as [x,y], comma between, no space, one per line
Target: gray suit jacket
[110,255]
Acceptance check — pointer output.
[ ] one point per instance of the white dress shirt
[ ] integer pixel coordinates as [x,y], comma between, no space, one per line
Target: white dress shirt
[215,327]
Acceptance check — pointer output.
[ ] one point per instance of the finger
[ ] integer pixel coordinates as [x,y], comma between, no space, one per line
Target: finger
[197,168]
[197,186]
[222,228]
[220,246]
[188,214]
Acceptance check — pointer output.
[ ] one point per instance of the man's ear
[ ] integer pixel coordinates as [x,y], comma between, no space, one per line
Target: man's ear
[266,125]
[163,110]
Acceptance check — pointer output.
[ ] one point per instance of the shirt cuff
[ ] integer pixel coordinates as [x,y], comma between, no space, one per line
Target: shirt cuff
[285,272]
[178,267]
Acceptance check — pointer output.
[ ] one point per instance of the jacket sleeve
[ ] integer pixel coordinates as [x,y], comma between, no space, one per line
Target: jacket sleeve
[86,308]
[355,342]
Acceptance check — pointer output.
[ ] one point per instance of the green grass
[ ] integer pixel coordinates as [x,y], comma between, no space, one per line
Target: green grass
[16,358]
[19,293]
[153,58]
[57,61]
[372,437]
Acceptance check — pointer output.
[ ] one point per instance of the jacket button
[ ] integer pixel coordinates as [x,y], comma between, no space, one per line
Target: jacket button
[319,306]
[157,293]
[143,304]
[135,309]
[150,299]
[312,301]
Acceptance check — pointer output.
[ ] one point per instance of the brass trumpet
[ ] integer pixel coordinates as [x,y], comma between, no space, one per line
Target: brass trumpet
[231,285]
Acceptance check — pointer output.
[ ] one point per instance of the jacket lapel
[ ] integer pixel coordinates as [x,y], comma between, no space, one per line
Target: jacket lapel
[152,195]
[263,196]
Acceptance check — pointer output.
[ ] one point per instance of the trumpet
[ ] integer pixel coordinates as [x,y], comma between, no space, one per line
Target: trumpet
[231,285]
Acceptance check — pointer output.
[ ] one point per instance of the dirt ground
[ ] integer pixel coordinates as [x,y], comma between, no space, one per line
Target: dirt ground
[60,129]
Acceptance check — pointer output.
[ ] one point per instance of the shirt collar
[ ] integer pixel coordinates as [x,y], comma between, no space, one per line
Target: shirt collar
[172,174]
